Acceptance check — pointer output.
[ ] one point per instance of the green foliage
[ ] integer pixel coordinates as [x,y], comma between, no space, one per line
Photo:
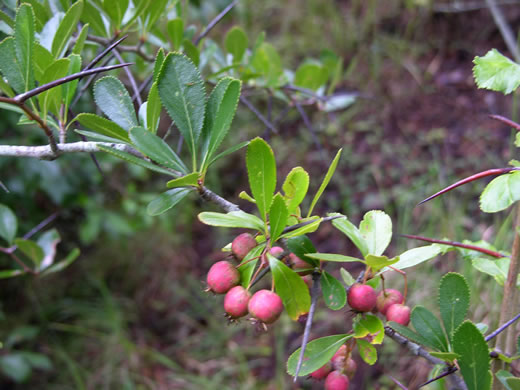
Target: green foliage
[367,351]
[334,294]
[325,182]
[376,229]
[496,72]
[113,99]
[247,266]
[311,76]
[66,28]
[103,126]
[428,326]
[234,219]
[24,44]
[454,297]
[295,188]
[352,232]
[8,224]
[236,43]
[369,325]
[417,256]
[176,32]
[300,246]
[501,193]
[509,381]
[278,215]
[167,200]
[474,361]
[317,353]
[291,288]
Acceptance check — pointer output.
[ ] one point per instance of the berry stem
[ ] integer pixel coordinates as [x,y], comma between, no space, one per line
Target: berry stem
[405,293]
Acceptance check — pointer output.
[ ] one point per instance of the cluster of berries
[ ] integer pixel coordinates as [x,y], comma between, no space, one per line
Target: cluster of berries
[389,302]
[338,371]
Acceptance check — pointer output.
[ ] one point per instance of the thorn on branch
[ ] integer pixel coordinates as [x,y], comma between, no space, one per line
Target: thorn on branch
[214,22]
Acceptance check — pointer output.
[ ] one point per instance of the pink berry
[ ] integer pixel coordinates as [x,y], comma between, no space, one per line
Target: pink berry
[398,313]
[235,302]
[265,306]
[387,298]
[338,360]
[298,264]
[276,251]
[361,297]
[322,372]
[242,245]
[222,276]
[336,381]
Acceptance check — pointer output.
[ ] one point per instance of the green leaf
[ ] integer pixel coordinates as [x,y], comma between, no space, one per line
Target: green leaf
[379,262]
[159,60]
[115,9]
[69,89]
[301,245]
[154,12]
[238,219]
[266,61]
[228,151]
[11,273]
[309,228]
[501,193]
[182,93]
[236,43]
[80,40]
[96,136]
[155,148]
[367,351]
[175,32]
[497,268]
[509,381]
[220,111]
[191,51]
[67,27]
[449,357]
[103,126]
[184,181]
[24,44]
[334,257]
[113,99]
[247,266]
[429,327]
[369,325]
[317,353]
[454,297]
[134,160]
[474,361]
[352,232]
[50,100]
[376,229]
[417,255]
[166,201]
[92,16]
[41,61]
[153,109]
[8,224]
[278,215]
[15,366]
[325,182]
[496,72]
[295,188]
[261,171]
[348,279]
[291,288]
[10,66]
[37,360]
[31,249]
[410,334]
[334,293]
[71,257]
[311,76]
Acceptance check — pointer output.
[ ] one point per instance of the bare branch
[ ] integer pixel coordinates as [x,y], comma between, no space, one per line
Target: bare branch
[133,49]
[258,114]
[131,78]
[416,349]
[104,53]
[218,200]
[502,328]
[214,22]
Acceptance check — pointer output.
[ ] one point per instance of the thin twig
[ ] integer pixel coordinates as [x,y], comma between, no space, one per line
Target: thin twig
[104,53]
[309,126]
[299,225]
[502,327]
[315,290]
[505,120]
[258,114]
[399,384]
[449,371]
[142,87]
[489,252]
[218,200]
[133,49]
[504,28]
[214,22]
[87,82]
[480,175]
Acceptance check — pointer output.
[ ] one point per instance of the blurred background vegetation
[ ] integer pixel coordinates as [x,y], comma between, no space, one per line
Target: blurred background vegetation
[131,313]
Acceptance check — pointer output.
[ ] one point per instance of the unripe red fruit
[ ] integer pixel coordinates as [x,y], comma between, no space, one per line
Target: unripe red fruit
[276,251]
[387,298]
[398,313]
[350,368]
[265,306]
[361,297]
[322,372]
[336,381]
[222,276]
[298,264]
[242,245]
[338,360]
[235,302]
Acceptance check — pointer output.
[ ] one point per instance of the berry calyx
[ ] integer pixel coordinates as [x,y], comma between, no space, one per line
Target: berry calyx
[242,245]
[235,302]
[361,297]
[387,298]
[298,264]
[266,306]
[321,373]
[222,276]
[398,313]
[336,381]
